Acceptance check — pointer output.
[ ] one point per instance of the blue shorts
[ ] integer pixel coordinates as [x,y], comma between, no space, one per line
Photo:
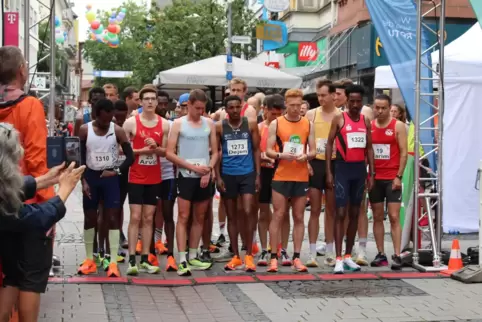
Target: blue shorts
[105,189]
[350,181]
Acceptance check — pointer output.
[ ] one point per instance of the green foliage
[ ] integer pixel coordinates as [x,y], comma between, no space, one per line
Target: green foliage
[181,33]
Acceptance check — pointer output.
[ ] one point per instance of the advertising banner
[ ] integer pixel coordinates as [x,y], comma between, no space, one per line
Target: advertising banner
[477,6]
[396,23]
[10,23]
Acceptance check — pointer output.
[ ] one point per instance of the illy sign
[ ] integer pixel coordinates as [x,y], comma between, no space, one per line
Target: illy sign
[307,51]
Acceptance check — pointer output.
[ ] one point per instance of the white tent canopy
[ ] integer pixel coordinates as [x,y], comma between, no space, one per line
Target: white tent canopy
[212,72]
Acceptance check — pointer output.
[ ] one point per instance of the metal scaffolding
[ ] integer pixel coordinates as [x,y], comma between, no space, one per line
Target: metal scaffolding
[50,46]
[431,196]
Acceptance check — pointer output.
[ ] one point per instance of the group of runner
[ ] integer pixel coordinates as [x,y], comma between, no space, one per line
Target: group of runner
[336,152]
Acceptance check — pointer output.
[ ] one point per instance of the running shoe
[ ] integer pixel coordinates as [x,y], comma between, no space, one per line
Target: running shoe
[113,270]
[98,260]
[350,265]
[55,261]
[285,259]
[206,256]
[121,257]
[132,270]
[171,265]
[321,251]
[125,244]
[361,258]
[105,263]
[249,265]
[263,259]
[160,248]
[221,241]
[152,260]
[198,265]
[183,269]
[379,261]
[224,256]
[312,262]
[298,266]
[138,247]
[87,267]
[330,259]
[51,272]
[396,263]
[338,266]
[234,264]
[214,249]
[255,249]
[273,266]
[146,267]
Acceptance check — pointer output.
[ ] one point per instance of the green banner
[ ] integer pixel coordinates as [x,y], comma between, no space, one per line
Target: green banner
[407,188]
[477,7]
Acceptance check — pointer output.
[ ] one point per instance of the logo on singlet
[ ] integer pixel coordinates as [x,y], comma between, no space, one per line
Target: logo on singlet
[295,138]
[348,127]
[389,132]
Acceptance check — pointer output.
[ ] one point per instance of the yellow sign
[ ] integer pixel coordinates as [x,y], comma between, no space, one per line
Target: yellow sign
[269,32]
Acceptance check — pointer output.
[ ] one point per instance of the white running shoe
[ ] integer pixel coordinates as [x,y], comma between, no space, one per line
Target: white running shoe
[350,265]
[361,258]
[312,262]
[338,267]
[330,259]
[321,250]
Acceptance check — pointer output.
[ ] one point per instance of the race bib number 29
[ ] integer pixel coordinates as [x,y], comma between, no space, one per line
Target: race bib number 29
[148,159]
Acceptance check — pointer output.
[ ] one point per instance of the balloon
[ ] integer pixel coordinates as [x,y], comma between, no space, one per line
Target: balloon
[148,45]
[111,20]
[99,30]
[113,46]
[121,14]
[93,36]
[57,22]
[124,10]
[95,24]
[60,39]
[112,28]
[90,16]
[89,6]
[113,15]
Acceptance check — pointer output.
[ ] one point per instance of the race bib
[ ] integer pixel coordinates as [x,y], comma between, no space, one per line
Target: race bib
[293,148]
[148,159]
[357,140]
[237,147]
[196,162]
[382,151]
[101,159]
[321,146]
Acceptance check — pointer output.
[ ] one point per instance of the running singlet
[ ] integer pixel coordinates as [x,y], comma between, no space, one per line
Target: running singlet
[386,150]
[102,151]
[322,129]
[193,145]
[237,149]
[167,168]
[351,140]
[86,115]
[292,137]
[243,110]
[263,133]
[145,169]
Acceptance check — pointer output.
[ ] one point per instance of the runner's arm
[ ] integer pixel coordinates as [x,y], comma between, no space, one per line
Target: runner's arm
[256,150]
[311,143]
[172,145]
[126,149]
[79,120]
[367,112]
[83,130]
[401,132]
[251,114]
[331,138]
[165,136]
[270,152]
[370,153]
[217,168]
[310,115]
[213,144]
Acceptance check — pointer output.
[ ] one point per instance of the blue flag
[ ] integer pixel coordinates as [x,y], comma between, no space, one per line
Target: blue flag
[396,24]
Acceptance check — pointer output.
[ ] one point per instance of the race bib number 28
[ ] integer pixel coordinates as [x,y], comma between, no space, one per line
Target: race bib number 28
[293,148]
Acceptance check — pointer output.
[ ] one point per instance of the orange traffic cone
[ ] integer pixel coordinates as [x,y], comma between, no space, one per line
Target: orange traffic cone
[455,261]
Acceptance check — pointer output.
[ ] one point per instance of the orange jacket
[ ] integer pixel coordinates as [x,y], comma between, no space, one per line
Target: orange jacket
[27,115]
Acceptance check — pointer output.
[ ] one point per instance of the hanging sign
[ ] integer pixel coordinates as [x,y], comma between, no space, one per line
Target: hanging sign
[276,5]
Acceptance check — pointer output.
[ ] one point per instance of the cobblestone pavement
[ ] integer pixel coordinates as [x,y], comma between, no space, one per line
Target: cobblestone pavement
[370,300]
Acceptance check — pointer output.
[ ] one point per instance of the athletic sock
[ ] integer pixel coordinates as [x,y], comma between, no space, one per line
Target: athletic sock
[222,228]
[114,241]
[158,235]
[296,255]
[89,235]
[132,260]
[144,258]
[329,248]
[192,253]
[182,257]
[313,248]
[362,243]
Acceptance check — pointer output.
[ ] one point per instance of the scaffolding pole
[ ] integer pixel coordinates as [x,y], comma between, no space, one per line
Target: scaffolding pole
[431,196]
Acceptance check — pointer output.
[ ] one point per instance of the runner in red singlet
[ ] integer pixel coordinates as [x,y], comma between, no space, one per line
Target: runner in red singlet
[389,138]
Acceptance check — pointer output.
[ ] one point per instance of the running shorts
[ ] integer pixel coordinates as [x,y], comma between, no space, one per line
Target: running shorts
[290,189]
[190,189]
[350,179]
[144,194]
[382,191]
[168,190]
[266,179]
[106,190]
[318,179]
[238,185]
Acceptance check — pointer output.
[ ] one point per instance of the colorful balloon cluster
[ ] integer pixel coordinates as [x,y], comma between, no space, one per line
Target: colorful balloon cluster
[109,36]
[60,35]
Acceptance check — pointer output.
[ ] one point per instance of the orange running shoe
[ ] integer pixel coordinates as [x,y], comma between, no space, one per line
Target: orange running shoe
[160,248]
[171,265]
[298,266]
[152,259]
[255,249]
[139,247]
[234,264]
[113,270]
[87,267]
[249,265]
[273,266]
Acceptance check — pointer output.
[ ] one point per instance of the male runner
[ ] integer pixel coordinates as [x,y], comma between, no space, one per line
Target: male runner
[305,107]
[131,96]
[291,133]
[84,114]
[353,145]
[148,133]
[99,144]
[111,92]
[321,117]
[389,139]
[274,108]
[238,175]
[191,138]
